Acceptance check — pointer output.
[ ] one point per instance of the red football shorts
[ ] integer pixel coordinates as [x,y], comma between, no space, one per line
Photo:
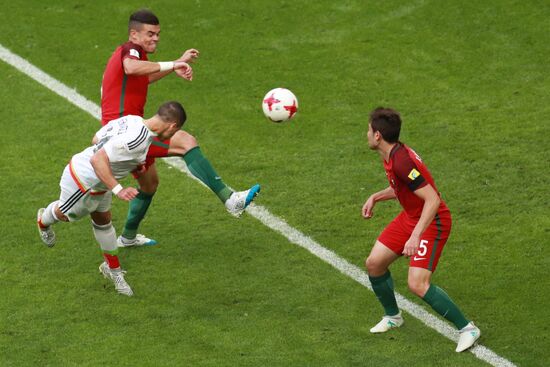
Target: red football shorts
[432,241]
[157,149]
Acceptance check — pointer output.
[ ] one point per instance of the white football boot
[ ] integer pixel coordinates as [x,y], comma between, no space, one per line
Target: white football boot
[47,235]
[140,240]
[387,323]
[117,277]
[238,201]
[468,336]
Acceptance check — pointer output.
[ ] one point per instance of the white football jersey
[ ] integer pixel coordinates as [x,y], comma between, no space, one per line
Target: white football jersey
[125,140]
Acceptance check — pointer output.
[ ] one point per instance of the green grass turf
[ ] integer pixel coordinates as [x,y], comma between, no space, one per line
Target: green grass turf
[470,81]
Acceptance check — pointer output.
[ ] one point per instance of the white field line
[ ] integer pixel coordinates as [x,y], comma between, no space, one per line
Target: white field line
[264,216]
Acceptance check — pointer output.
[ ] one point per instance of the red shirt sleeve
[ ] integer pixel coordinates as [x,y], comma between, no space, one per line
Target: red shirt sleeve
[132,51]
[407,171]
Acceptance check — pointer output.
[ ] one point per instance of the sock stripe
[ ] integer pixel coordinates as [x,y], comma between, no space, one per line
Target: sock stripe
[102,227]
[110,252]
[112,260]
[41,225]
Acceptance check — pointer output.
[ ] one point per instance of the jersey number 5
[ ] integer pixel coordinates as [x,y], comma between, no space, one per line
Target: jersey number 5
[422,248]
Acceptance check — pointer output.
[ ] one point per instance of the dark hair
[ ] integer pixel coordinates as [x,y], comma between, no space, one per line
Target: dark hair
[172,112]
[140,17]
[388,122]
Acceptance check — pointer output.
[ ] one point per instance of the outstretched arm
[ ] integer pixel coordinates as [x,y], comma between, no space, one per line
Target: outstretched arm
[184,72]
[386,194]
[100,163]
[157,70]
[140,67]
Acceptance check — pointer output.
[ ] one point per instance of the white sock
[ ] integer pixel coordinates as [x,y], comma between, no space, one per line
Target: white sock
[105,235]
[49,217]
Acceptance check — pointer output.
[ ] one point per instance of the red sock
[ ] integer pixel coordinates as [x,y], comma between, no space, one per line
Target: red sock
[112,261]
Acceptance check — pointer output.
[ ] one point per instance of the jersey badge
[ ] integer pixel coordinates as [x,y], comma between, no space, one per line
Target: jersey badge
[413,174]
[134,52]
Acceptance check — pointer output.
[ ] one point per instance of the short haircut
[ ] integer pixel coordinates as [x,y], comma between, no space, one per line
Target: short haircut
[172,112]
[140,17]
[387,121]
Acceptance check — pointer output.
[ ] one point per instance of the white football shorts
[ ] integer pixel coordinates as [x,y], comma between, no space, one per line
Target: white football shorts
[76,203]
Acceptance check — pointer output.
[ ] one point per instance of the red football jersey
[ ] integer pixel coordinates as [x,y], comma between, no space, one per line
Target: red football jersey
[406,172]
[123,94]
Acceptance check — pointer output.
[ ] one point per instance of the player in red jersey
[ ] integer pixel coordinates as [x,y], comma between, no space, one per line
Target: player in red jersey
[124,92]
[420,231]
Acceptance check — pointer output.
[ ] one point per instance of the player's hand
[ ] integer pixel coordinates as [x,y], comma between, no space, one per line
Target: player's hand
[183,70]
[367,208]
[411,246]
[127,193]
[189,55]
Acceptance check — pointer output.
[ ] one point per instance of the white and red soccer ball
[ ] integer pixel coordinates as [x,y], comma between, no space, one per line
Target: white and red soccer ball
[280,105]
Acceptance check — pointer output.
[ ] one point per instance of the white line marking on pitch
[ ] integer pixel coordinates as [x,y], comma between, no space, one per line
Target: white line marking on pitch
[263,215]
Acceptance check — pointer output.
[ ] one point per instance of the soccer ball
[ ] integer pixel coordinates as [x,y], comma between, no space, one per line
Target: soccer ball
[280,105]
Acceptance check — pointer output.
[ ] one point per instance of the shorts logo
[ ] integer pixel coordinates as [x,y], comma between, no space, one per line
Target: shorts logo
[134,52]
[413,174]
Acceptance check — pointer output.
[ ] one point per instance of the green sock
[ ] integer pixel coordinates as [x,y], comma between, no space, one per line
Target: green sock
[201,168]
[383,288]
[136,212]
[444,305]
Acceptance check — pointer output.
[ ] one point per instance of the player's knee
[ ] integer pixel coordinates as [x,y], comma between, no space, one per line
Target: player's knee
[190,142]
[373,266]
[102,226]
[418,286]
[59,214]
[182,142]
[149,181]
[101,218]
[150,186]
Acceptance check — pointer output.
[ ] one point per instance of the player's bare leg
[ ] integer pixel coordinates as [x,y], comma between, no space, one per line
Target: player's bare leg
[419,281]
[378,262]
[181,143]
[185,145]
[380,259]
[420,284]
[148,184]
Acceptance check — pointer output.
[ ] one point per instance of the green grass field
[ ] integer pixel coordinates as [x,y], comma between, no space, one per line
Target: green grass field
[471,81]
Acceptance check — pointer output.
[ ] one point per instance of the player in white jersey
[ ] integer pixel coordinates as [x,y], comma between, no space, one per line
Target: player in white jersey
[125,141]
[120,147]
